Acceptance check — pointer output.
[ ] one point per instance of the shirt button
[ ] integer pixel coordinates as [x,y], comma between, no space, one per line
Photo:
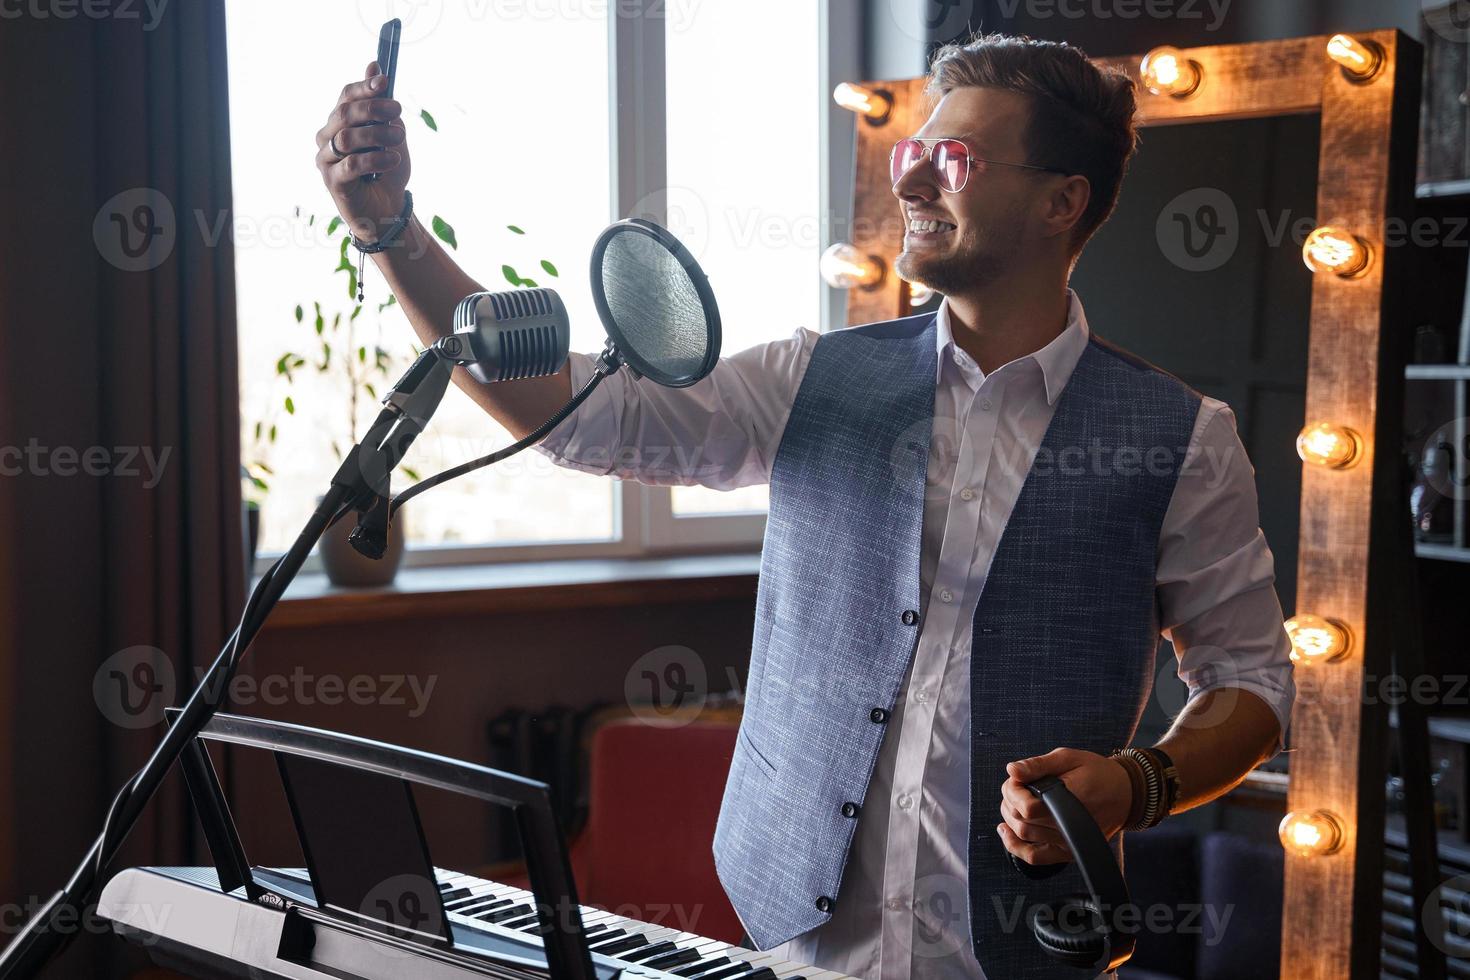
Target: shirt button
[878,715]
[922,695]
[910,617]
[905,802]
[967,494]
[895,904]
[824,904]
[946,596]
[850,810]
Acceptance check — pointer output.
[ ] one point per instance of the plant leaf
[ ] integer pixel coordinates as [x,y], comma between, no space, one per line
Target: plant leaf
[529,283]
[273,434]
[445,231]
[334,224]
[412,474]
[428,120]
[550,269]
[299,313]
[371,390]
[356,311]
[511,276]
[362,355]
[281,367]
[391,301]
[321,322]
[259,428]
[260,484]
[290,406]
[515,230]
[265,469]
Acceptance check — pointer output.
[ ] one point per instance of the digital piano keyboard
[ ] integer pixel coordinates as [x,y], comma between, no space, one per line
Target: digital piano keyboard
[186,922]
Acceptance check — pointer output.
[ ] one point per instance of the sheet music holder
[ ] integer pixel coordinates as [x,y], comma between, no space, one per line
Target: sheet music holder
[371,873]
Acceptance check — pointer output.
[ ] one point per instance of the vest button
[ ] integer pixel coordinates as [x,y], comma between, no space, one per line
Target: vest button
[850,809]
[910,617]
[824,904]
[878,715]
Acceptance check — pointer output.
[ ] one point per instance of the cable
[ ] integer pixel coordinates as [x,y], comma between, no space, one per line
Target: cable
[541,432]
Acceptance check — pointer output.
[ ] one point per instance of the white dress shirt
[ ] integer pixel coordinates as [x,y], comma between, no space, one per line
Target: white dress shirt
[904,891]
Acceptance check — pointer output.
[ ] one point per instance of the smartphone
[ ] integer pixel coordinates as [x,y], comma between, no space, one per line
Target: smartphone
[388,38]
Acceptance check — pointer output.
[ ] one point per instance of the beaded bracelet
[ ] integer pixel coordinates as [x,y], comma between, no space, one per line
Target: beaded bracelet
[389,239]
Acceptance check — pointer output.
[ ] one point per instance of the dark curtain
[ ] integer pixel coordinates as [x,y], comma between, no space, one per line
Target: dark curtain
[119,427]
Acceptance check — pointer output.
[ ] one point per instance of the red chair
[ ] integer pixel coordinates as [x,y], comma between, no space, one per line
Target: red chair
[654,795]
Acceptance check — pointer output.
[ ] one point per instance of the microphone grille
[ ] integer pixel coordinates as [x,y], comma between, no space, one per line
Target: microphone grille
[519,333]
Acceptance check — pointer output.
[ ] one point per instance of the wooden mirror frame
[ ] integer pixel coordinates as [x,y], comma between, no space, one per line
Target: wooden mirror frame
[1356,357]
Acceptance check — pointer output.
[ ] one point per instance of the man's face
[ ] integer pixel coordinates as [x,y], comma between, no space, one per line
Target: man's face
[984,227]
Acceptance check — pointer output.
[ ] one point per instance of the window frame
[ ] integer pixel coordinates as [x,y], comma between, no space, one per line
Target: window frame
[645,524]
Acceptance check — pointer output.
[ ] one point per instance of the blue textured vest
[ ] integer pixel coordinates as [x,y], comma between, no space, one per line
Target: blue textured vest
[1065,629]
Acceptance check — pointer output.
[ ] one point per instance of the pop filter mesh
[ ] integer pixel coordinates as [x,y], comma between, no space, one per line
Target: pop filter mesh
[654,306]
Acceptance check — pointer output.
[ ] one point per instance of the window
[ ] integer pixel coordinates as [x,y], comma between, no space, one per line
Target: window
[509,115]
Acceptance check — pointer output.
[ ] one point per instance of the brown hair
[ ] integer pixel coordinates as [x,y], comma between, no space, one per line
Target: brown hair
[1081,115]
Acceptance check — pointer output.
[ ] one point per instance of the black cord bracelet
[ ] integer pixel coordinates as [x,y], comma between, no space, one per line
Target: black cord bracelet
[391,238]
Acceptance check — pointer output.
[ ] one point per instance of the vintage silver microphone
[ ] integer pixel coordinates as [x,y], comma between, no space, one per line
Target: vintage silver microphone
[506,336]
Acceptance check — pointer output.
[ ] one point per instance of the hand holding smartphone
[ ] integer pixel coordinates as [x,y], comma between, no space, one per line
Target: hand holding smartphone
[388,38]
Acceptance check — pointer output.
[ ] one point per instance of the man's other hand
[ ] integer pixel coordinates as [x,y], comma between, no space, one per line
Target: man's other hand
[1029,832]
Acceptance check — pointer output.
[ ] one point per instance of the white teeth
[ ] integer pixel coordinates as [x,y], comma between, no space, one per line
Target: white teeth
[921,227]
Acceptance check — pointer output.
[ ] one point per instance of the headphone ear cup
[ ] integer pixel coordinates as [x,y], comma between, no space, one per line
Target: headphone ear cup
[1071,930]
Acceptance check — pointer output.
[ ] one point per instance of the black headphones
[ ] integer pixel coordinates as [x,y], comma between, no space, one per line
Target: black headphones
[1081,930]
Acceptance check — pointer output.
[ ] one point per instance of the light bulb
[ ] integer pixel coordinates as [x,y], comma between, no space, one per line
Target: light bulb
[1333,446]
[1361,60]
[844,267]
[1311,833]
[875,105]
[1316,640]
[1169,71]
[1337,250]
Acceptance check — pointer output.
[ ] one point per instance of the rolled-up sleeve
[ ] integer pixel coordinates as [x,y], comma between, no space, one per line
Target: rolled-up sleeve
[721,433]
[1216,575]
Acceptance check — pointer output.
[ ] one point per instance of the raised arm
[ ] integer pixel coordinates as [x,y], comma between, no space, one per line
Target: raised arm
[365,134]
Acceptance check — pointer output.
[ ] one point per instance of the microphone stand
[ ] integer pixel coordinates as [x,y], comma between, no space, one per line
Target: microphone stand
[361,484]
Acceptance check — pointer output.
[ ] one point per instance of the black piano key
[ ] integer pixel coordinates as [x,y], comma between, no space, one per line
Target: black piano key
[649,951]
[736,969]
[703,966]
[452,894]
[764,973]
[500,915]
[521,921]
[677,958]
[481,903]
[620,945]
[612,935]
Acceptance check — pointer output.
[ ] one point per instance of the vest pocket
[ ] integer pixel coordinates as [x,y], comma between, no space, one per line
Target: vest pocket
[744,741]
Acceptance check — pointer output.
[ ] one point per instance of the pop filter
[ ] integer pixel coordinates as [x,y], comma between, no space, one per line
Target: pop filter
[655,303]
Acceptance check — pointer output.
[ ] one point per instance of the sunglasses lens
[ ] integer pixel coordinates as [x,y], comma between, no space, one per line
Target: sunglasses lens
[951,164]
[906,153]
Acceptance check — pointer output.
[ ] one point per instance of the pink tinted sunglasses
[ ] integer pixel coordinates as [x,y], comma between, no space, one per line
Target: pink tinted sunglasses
[950,160]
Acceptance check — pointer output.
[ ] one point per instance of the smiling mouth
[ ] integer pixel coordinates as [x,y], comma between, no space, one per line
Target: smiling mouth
[927,229]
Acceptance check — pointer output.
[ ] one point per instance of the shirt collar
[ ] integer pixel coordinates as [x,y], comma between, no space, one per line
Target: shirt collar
[1057,359]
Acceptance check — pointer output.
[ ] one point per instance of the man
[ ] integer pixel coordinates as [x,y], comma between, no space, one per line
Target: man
[980,524]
